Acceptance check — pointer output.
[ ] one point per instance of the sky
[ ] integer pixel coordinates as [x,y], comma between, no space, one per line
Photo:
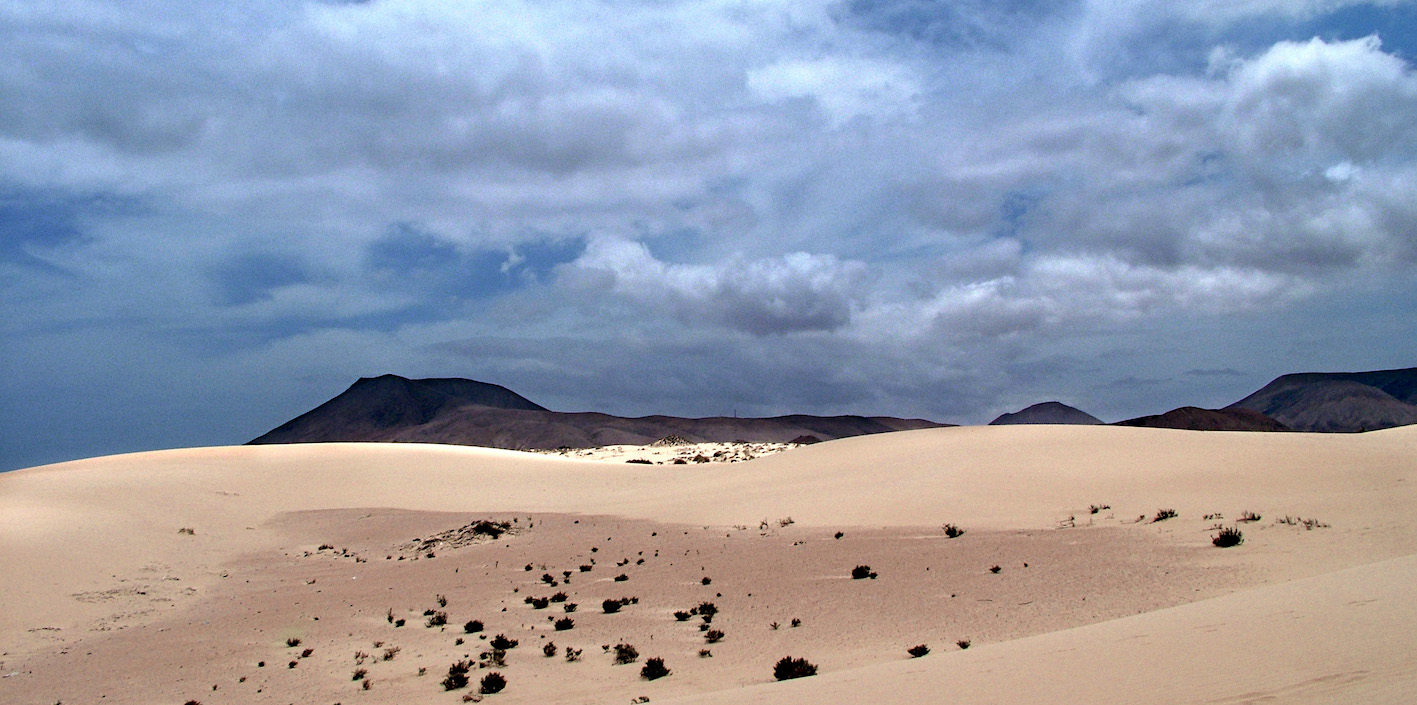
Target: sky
[215,216]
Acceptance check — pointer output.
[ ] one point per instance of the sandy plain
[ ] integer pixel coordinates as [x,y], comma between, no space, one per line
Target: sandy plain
[107,598]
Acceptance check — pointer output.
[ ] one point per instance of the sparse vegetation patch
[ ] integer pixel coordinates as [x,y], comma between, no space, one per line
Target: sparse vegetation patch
[788,667]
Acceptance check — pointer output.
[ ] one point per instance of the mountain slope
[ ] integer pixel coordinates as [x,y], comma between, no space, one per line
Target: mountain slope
[464,412]
[1191,418]
[1048,412]
[374,407]
[1338,402]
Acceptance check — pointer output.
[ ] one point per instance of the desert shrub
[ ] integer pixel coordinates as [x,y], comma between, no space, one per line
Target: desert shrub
[586,568]
[621,578]
[540,603]
[390,615]
[292,642]
[546,578]
[564,624]
[788,668]
[429,612]
[1228,536]
[1248,516]
[391,652]
[442,601]
[654,668]
[962,643]
[493,682]
[639,461]
[573,654]
[953,531]
[457,675]
[495,657]
[438,619]
[502,642]
[527,568]
[705,653]
[625,653]
[796,622]
[458,641]
[706,580]
[1163,515]
[774,626]
[995,569]
[559,597]
[569,607]
[306,653]
[473,626]
[359,674]
[838,535]
[549,649]
[713,636]
[861,572]
[187,530]
[682,616]
[292,664]
[400,622]
[610,606]
[918,650]
[1095,508]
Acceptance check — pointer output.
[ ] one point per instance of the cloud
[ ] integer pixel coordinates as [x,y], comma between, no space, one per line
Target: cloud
[792,293]
[891,204]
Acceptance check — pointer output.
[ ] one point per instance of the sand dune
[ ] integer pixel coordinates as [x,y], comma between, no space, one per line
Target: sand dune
[110,599]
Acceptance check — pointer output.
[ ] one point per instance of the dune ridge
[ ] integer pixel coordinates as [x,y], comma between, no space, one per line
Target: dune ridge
[105,563]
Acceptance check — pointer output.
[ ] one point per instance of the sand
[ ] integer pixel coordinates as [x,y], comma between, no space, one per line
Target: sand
[107,599]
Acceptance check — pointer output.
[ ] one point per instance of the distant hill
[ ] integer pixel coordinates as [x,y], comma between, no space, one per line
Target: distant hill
[1195,419]
[464,412]
[1341,402]
[1048,412]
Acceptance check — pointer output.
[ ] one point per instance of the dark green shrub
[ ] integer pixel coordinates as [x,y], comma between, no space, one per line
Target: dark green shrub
[457,675]
[788,668]
[625,653]
[502,642]
[861,572]
[682,616]
[953,531]
[621,578]
[472,627]
[610,606]
[918,650]
[1229,536]
[713,636]
[654,668]
[564,624]
[559,597]
[492,683]
[540,603]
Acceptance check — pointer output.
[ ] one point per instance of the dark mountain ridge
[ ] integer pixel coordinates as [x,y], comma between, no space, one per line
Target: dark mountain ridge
[463,412]
[1048,412]
[1338,402]
[1192,418]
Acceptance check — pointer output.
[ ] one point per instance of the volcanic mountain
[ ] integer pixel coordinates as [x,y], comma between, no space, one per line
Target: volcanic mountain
[1192,418]
[465,412]
[1048,412]
[1339,401]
